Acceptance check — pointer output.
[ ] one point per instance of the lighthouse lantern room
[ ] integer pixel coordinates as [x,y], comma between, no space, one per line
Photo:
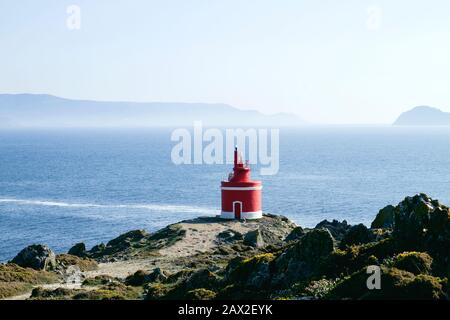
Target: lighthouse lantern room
[241,196]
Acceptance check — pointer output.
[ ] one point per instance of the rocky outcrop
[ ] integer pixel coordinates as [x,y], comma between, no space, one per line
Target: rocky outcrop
[336,228]
[302,259]
[142,277]
[384,218]
[421,221]
[310,265]
[78,250]
[295,234]
[37,256]
[228,236]
[272,258]
[136,243]
[358,234]
[83,264]
[254,239]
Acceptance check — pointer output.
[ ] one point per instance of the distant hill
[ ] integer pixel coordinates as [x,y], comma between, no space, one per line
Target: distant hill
[423,116]
[40,110]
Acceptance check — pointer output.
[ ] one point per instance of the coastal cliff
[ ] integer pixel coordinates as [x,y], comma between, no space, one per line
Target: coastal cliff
[272,258]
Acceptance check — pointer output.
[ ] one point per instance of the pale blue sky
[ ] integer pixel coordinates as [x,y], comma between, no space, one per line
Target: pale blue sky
[318,59]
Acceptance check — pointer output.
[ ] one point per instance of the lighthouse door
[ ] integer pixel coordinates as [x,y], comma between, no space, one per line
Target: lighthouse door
[237,209]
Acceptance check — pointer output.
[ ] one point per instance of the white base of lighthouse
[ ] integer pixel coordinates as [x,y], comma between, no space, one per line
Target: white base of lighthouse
[244,215]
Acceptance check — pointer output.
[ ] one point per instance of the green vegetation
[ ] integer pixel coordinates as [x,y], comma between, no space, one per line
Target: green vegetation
[111,291]
[99,280]
[85,264]
[414,262]
[15,280]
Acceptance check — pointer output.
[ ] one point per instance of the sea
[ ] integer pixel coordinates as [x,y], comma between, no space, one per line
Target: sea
[63,186]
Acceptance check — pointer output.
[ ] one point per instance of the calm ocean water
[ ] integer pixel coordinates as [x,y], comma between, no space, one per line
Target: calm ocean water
[60,187]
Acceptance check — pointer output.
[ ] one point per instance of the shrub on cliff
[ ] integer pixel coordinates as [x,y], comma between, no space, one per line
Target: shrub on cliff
[351,259]
[99,280]
[396,284]
[414,262]
[200,294]
[15,280]
[142,277]
[111,291]
[84,264]
[252,272]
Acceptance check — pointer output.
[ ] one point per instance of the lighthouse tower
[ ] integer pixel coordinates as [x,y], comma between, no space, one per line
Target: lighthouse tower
[241,196]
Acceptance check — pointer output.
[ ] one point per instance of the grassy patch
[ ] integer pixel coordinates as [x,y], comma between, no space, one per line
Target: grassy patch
[85,264]
[15,280]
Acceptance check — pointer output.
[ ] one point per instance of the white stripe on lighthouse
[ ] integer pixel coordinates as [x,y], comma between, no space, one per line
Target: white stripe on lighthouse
[244,215]
[242,188]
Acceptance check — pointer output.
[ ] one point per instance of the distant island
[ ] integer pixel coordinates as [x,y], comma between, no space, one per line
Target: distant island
[42,110]
[423,116]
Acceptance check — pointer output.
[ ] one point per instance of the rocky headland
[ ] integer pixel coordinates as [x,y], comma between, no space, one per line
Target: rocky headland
[272,258]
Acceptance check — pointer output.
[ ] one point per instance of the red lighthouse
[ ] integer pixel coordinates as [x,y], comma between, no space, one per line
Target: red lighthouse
[241,196]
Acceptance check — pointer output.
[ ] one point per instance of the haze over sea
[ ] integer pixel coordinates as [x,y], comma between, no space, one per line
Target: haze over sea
[60,187]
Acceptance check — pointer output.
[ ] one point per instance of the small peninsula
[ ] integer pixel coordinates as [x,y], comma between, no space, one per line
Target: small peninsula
[270,258]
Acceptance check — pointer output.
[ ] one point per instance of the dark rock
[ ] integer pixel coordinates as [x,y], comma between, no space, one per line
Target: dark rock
[142,277]
[412,217]
[124,240]
[157,275]
[37,256]
[336,228]
[98,249]
[203,279]
[229,236]
[78,250]
[358,234]
[423,224]
[251,273]
[303,259]
[295,234]
[254,239]
[384,218]
[137,279]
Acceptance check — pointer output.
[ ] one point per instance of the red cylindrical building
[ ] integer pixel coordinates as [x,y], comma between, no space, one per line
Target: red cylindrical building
[241,196]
